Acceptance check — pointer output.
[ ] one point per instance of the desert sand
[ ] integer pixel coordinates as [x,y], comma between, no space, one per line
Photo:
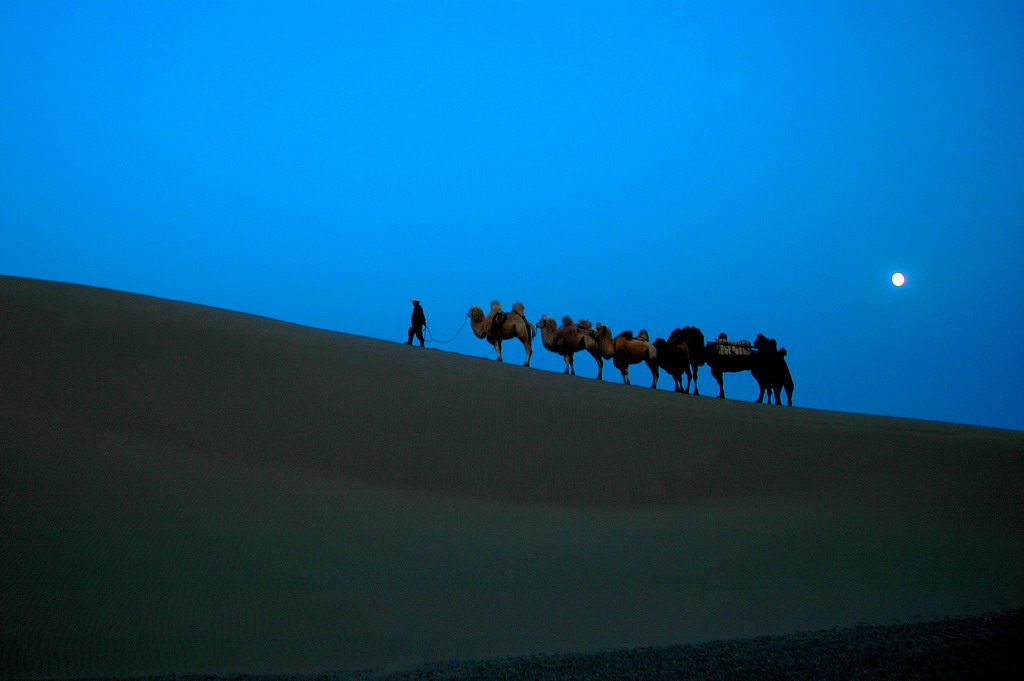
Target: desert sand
[185,490]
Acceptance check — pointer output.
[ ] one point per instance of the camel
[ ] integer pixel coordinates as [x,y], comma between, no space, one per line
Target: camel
[724,356]
[497,326]
[600,345]
[772,371]
[675,361]
[682,353]
[633,350]
[566,340]
[761,360]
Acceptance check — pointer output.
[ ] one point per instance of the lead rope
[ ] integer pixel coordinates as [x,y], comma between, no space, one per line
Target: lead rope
[443,342]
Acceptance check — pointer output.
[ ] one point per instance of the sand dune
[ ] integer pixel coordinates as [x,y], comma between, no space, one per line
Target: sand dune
[185,490]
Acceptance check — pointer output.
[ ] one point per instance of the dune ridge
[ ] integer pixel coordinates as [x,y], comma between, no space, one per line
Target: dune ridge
[191,490]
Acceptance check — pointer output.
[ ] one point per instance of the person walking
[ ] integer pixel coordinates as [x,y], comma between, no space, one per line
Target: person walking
[419,320]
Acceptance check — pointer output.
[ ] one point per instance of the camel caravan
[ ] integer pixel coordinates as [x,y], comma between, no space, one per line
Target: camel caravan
[682,354]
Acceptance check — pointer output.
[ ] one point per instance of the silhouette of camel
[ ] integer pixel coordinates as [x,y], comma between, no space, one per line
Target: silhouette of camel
[772,371]
[765,363]
[723,356]
[681,354]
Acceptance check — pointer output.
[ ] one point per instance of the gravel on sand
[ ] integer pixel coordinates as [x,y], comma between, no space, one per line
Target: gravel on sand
[987,646]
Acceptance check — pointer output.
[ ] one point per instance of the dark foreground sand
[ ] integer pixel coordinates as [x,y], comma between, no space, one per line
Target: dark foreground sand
[191,491]
[980,647]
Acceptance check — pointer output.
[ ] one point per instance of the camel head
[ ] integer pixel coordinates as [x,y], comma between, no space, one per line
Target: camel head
[603,343]
[476,321]
[565,339]
[546,323]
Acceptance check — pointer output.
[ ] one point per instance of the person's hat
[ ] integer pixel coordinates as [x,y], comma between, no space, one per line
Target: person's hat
[416,301]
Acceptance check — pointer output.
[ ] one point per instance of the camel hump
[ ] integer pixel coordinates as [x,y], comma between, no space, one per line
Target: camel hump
[677,336]
[643,335]
[782,352]
[628,335]
[583,324]
[567,321]
[518,307]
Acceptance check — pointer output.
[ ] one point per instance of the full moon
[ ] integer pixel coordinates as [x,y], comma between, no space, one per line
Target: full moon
[898,279]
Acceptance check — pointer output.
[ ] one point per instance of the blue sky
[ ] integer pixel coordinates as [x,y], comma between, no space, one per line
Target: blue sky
[743,167]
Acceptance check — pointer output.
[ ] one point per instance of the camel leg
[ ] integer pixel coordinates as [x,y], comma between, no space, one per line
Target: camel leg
[654,372]
[695,391]
[721,383]
[528,346]
[600,367]
[497,348]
